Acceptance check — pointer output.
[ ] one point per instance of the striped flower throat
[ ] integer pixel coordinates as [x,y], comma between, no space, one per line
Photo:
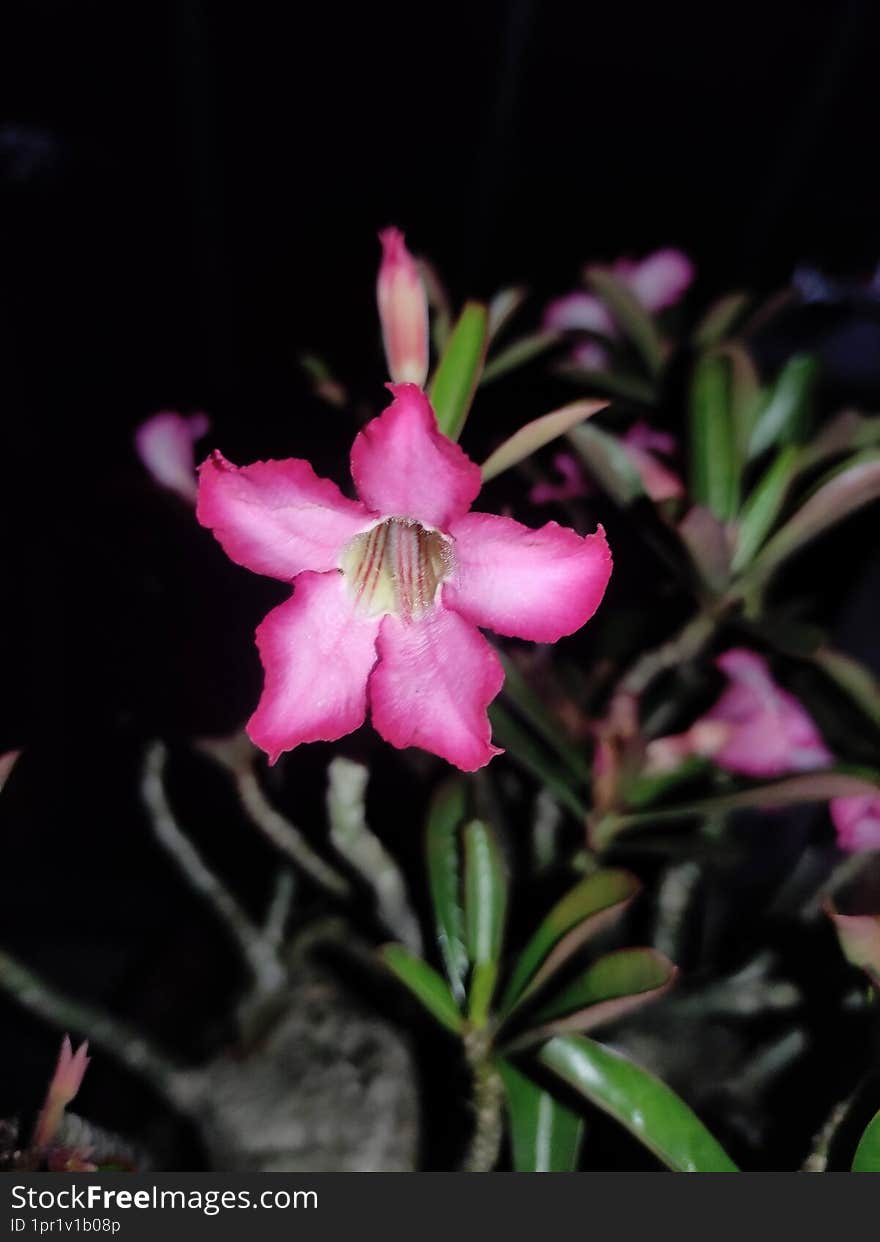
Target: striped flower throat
[397,566]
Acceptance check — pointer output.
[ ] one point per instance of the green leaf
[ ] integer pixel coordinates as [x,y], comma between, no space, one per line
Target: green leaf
[607,459]
[858,682]
[859,938]
[518,353]
[485,904]
[847,488]
[510,735]
[714,458]
[591,905]
[763,506]
[649,787]
[425,984]
[642,1103]
[867,1157]
[790,791]
[544,1134]
[458,371]
[617,383]
[445,816]
[786,416]
[720,319]
[536,434]
[847,432]
[614,985]
[708,547]
[630,316]
[503,306]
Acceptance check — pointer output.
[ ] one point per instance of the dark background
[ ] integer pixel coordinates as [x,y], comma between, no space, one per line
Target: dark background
[189,195]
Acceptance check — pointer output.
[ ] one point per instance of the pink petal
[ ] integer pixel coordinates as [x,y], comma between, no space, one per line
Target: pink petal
[403,466]
[579,311]
[403,310]
[641,435]
[573,485]
[534,584]
[857,822]
[591,356]
[165,444]
[8,760]
[658,480]
[317,652]
[277,517]
[432,685]
[661,279]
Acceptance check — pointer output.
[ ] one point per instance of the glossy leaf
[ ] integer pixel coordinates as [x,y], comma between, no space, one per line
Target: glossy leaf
[485,904]
[854,484]
[629,315]
[458,371]
[445,816]
[425,984]
[536,434]
[763,506]
[713,449]
[609,988]
[859,937]
[720,319]
[787,413]
[607,460]
[545,1135]
[652,1112]
[586,909]
[518,353]
[508,733]
[867,1157]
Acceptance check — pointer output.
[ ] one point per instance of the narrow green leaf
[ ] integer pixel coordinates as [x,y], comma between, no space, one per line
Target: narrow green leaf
[847,488]
[857,681]
[763,506]
[485,904]
[648,788]
[867,1157]
[445,816]
[592,904]
[509,734]
[458,371]
[536,434]
[531,708]
[607,459]
[786,416]
[518,353]
[847,432]
[714,459]
[611,987]
[616,382]
[503,306]
[708,547]
[720,319]
[544,1134]
[425,984]
[653,1113]
[629,314]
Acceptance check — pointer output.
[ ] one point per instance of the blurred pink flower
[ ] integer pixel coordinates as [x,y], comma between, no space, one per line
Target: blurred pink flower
[66,1082]
[165,444]
[755,729]
[857,822]
[403,310]
[573,485]
[657,281]
[390,588]
[642,444]
[8,760]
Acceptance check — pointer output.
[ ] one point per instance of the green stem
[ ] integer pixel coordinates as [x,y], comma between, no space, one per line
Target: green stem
[488,1097]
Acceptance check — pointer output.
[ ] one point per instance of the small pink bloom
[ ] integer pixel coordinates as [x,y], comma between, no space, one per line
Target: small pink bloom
[757,728]
[66,1082]
[403,310]
[573,485]
[579,311]
[641,444]
[591,356]
[390,589]
[857,822]
[165,444]
[8,760]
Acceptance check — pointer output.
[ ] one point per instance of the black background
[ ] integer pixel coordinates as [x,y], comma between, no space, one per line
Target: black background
[189,195]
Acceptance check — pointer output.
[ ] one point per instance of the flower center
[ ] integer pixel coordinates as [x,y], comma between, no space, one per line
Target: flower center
[397,567]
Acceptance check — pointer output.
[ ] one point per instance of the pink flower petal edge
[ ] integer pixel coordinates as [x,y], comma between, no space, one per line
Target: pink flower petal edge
[857,822]
[165,444]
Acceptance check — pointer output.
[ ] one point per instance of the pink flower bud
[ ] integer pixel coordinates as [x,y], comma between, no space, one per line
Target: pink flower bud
[66,1081]
[403,310]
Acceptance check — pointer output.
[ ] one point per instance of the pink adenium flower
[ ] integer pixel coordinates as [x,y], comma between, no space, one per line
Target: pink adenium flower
[857,822]
[66,1082]
[390,589]
[658,281]
[755,729]
[403,310]
[165,444]
[572,486]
